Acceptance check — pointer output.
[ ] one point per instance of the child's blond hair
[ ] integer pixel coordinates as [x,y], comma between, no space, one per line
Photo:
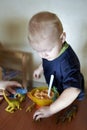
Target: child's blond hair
[44,25]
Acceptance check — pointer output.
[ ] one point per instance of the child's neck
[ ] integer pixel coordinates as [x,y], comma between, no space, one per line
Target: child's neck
[64,47]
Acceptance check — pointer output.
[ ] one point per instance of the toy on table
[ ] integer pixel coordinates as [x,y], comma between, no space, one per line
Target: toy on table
[30,107]
[68,115]
[40,96]
[14,104]
[19,90]
[1,95]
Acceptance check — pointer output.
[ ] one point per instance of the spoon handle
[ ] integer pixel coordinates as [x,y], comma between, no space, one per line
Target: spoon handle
[50,84]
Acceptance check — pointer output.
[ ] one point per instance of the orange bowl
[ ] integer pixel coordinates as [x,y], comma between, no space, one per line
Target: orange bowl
[41,102]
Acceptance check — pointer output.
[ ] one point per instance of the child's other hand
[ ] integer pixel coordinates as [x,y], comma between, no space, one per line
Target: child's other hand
[37,74]
[9,85]
[43,112]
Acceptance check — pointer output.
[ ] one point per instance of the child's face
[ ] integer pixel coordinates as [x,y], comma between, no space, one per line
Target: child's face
[46,50]
[49,53]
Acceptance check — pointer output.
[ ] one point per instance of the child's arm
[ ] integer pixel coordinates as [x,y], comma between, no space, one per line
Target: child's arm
[37,73]
[64,100]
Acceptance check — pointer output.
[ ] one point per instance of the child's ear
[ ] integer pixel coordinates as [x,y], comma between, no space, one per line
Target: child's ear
[63,37]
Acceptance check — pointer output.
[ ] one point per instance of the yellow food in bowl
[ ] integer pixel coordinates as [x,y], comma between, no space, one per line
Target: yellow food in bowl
[40,97]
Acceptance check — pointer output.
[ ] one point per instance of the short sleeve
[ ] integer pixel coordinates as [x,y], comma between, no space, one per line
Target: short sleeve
[71,76]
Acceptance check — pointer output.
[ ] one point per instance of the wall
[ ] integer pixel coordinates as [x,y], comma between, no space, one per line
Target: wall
[15,14]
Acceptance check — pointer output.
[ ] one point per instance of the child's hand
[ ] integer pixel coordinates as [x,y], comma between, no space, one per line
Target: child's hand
[9,85]
[43,112]
[37,74]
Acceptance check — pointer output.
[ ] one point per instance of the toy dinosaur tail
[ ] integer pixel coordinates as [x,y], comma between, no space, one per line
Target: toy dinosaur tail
[4,94]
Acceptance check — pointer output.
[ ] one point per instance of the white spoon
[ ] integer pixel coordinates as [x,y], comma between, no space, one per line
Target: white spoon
[50,84]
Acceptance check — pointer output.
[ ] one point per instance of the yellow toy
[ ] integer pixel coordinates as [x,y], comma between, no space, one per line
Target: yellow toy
[30,107]
[13,104]
[20,97]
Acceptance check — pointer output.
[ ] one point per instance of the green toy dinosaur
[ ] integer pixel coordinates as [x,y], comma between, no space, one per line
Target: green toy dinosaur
[13,104]
[68,115]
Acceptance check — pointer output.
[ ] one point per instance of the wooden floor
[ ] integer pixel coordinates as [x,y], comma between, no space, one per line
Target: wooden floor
[22,120]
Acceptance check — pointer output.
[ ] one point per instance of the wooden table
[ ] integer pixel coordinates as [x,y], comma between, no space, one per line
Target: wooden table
[22,120]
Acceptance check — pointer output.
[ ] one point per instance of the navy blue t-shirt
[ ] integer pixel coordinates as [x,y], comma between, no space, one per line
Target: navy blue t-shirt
[66,70]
